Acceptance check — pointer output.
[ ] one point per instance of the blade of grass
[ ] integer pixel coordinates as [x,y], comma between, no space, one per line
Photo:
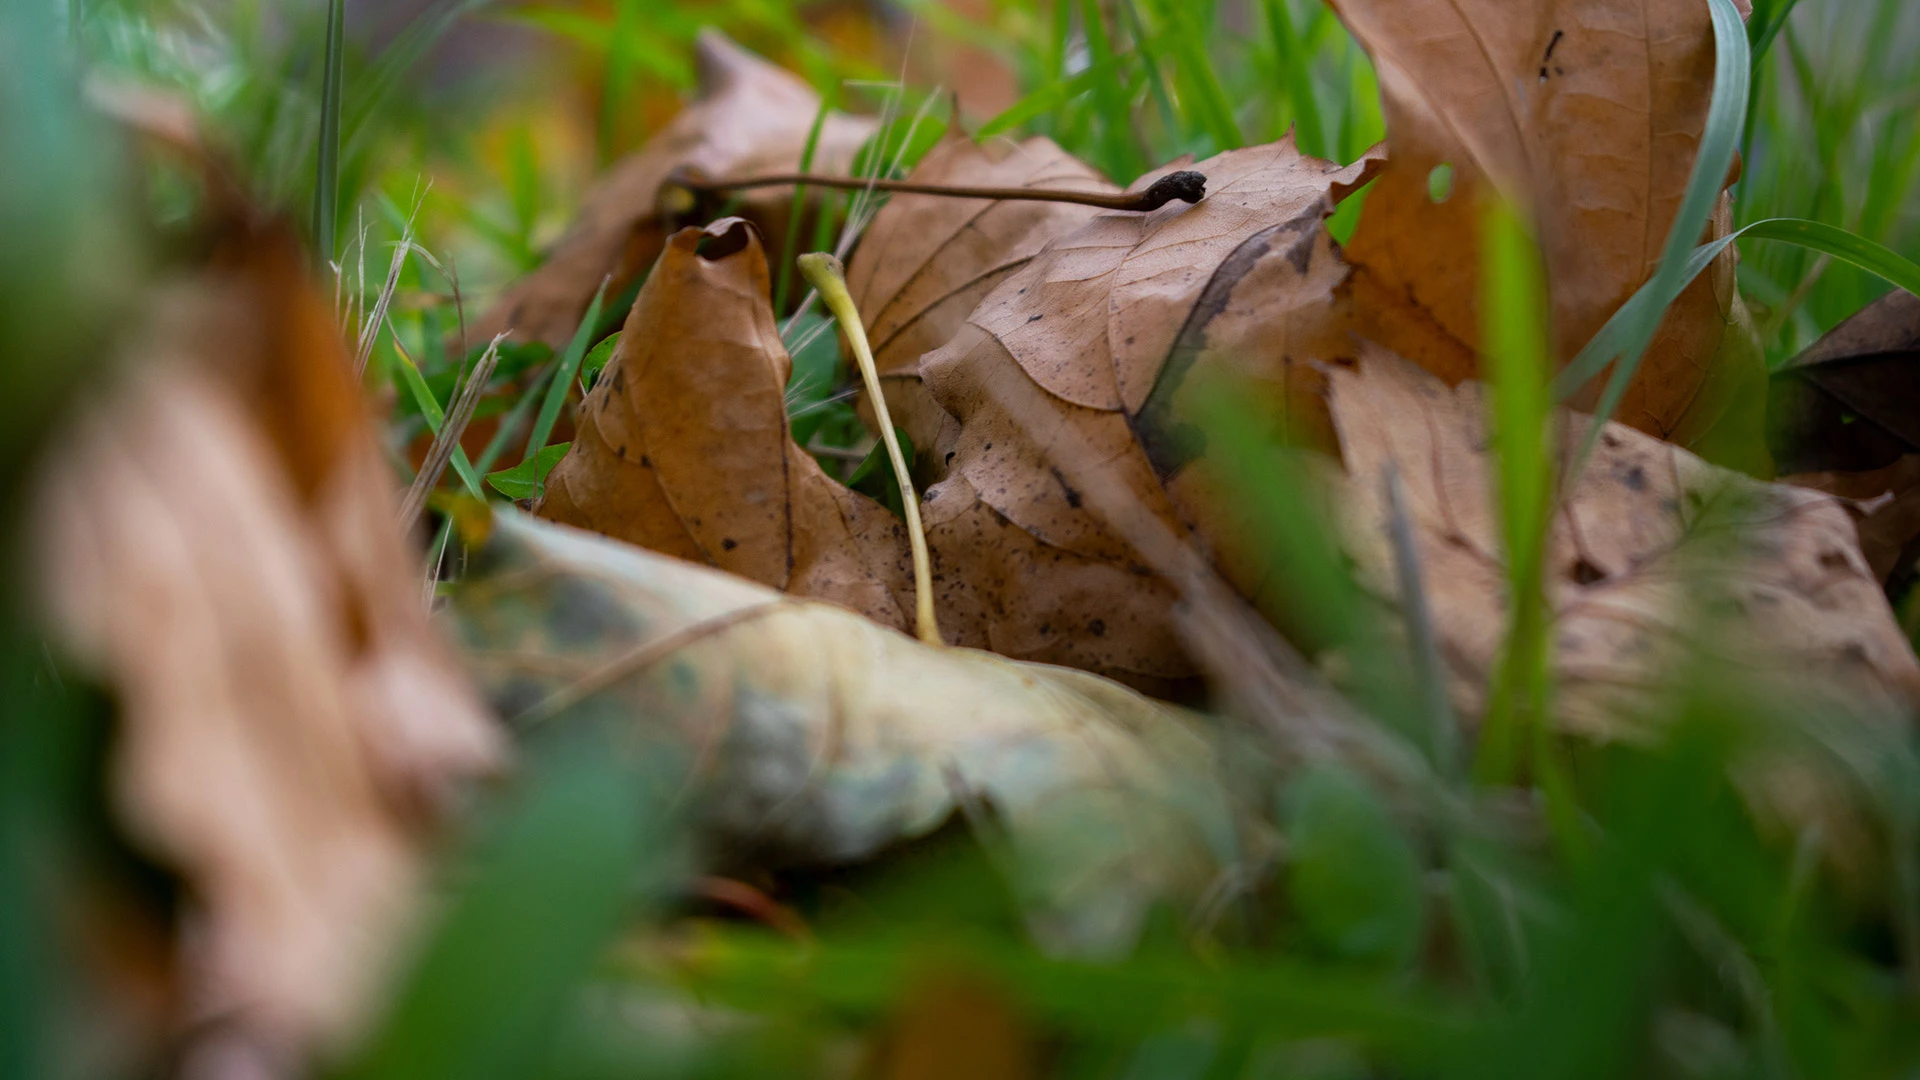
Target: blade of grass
[1310,133]
[1812,235]
[1515,301]
[326,181]
[435,416]
[789,247]
[1200,83]
[1123,158]
[1726,119]
[563,376]
[446,443]
[619,78]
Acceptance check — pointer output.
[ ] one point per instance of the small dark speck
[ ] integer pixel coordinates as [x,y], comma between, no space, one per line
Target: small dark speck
[989,446]
[1636,479]
[950,454]
[622,452]
[1046,628]
[729,543]
[1035,318]
[1129,340]
[1023,292]
[646,462]
[1833,560]
[1585,573]
[1099,627]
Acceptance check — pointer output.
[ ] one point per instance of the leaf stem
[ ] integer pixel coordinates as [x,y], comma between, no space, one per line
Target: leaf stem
[829,278]
[1185,185]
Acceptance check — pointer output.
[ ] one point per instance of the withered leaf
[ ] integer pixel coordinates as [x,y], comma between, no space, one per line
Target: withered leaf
[683,446]
[218,543]
[1588,114]
[1648,545]
[1077,361]
[926,260]
[748,117]
[1852,401]
[1844,418]
[814,738]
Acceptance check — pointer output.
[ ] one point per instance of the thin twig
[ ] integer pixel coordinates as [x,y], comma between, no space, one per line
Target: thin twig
[1185,185]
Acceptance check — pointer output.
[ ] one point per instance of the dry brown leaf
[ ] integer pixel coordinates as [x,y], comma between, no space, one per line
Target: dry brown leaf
[1079,361]
[748,117]
[1590,114]
[683,446]
[811,737]
[1650,537]
[218,543]
[927,260]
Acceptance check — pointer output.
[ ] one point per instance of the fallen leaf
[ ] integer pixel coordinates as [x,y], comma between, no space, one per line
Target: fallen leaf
[683,446]
[1844,418]
[926,260]
[748,117]
[1588,114]
[1851,403]
[1080,360]
[1649,538]
[811,738]
[218,543]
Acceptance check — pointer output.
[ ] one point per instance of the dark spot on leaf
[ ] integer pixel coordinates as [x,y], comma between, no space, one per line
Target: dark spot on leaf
[1636,479]
[1833,559]
[1585,573]
[1035,318]
[620,380]
[729,543]
[646,462]
[1098,627]
[1073,497]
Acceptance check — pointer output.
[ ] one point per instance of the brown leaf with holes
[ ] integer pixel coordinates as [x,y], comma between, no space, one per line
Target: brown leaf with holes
[925,261]
[1590,114]
[748,117]
[1650,544]
[683,445]
[218,543]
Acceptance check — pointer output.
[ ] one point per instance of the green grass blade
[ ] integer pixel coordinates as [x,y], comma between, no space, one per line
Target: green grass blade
[1047,99]
[435,415]
[1515,301]
[1726,119]
[1813,235]
[1310,132]
[515,418]
[563,376]
[326,181]
[619,78]
[1123,159]
[790,246]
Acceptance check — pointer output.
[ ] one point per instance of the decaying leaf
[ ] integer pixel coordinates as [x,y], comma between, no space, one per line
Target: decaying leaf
[1653,554]
[926,260]
[1842,419]
[218,543]
[1851,403]
[812,737]
[1588,114]
[1079,361]
[683,447]
[748,117]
